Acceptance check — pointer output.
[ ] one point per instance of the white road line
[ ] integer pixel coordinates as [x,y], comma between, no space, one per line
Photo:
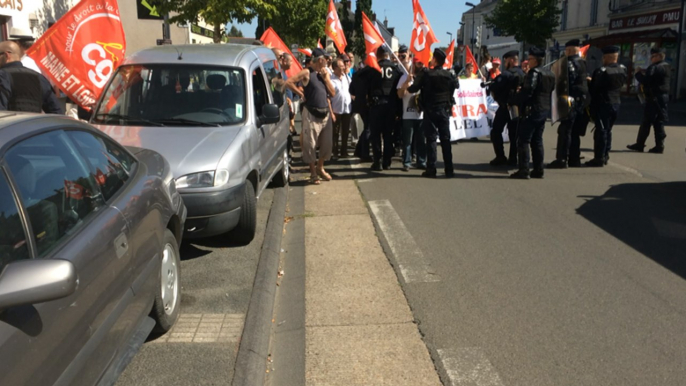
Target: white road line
[408,256]
[469,367]
[365,180]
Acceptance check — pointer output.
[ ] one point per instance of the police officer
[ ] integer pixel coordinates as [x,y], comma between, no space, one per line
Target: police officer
[534,98]
[383,99]
[502,89]
[574,125]
[605,88]
[655,84]
[438,88]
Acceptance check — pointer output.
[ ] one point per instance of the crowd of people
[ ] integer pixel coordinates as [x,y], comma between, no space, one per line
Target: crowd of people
[406,106]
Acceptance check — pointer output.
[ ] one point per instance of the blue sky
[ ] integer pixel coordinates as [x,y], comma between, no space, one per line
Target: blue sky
[444,16]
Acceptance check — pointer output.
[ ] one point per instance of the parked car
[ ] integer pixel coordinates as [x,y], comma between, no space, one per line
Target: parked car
[89,251]
[213,112]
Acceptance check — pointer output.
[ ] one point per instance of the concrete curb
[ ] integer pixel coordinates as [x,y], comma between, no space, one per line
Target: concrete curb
[251,361]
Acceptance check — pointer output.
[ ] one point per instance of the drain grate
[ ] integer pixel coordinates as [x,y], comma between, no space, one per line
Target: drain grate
[205,328]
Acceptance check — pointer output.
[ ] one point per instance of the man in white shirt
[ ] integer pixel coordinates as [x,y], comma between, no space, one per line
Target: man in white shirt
[25,39]
[412,122]
[341,106]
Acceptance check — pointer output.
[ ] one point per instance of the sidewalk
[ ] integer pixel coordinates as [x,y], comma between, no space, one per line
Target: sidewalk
[358,326]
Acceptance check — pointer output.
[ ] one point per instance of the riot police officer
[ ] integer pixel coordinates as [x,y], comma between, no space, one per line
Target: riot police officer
[502,88]
[438,88]
[534,98]
[383,99]
[605,88]
[655,84]
[574,125]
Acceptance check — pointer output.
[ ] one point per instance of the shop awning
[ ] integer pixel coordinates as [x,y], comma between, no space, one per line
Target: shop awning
[634,36]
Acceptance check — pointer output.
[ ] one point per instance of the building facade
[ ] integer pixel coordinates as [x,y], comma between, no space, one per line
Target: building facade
[481,39]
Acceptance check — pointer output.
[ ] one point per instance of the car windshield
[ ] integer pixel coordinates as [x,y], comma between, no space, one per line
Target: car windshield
[173,95]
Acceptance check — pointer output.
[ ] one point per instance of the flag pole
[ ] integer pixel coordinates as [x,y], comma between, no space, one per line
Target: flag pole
[396,57]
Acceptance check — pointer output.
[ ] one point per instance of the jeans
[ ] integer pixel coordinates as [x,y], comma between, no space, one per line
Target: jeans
[412,132]
[436,124]
[531,136]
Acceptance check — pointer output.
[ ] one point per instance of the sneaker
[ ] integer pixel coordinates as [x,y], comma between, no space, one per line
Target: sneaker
[520,175]
[557,164]
[636,147]
[429,173]
[406,168]
[376,167]
[657,150]
[595,163]
[537,174]
[498,161]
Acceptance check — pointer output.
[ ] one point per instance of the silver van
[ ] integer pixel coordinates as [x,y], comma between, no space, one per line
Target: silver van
[213,112]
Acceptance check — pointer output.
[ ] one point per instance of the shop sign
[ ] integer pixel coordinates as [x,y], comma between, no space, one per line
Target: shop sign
[16,5]
[671,16]
[198,30]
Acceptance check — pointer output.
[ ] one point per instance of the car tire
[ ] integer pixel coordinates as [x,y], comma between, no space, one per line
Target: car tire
[165,310]
[244,232]
[282,178]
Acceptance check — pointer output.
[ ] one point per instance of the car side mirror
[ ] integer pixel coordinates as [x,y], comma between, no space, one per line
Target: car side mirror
[36,281]
[270,114]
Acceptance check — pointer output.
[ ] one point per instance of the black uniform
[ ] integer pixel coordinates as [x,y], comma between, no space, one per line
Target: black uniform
[359,87]
[534,99]
[383,99]
[438,88]
[574,126]
[502,89]
[605,89]
[655,84]
[22,89]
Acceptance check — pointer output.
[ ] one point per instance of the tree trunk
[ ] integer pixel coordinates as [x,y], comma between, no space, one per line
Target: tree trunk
[217,33]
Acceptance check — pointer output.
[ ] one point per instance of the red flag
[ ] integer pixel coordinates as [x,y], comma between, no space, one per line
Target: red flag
[272,40]
[373,40]
[469,58]
[73,190]
[449,56]
[80,52]
[422,35]
[319,44]
[334,30]
[583,50]
[305,51]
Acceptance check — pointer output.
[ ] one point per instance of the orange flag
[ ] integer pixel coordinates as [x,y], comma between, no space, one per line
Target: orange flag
[319,44]
[334,30]
[372,40]
[449,56]
[81,51]
[422,35]
[305,51]
[272,40]
[469,58]
[583,50]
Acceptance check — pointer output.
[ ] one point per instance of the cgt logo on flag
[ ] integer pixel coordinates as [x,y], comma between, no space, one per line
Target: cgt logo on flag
[80,52]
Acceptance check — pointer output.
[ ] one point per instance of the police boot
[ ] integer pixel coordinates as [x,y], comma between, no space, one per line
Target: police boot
[596,163]
[557,164]
[521,174]
[499,161]
[574,163]
[429,173]
[376,166]
[636,147]
[657,150]
[537,173]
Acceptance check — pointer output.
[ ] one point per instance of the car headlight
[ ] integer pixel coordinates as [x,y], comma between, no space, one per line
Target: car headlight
[221,177]
[196,180]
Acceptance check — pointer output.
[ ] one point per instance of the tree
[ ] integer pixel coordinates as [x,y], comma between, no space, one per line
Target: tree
[347,24]
[262,25]
[365,6]
[529,21]
[235,32]
[215,12]
[299,21]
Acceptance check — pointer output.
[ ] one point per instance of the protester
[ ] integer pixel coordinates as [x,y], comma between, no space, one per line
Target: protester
[351,64]
[22,89]
[495,69]
[317,122]
[468,72]
[25,40]
[486,64]
[412,121]
[404,56]
[525,66]
[341,105]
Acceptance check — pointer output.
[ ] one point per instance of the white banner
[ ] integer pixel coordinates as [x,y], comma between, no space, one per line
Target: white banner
[474,112]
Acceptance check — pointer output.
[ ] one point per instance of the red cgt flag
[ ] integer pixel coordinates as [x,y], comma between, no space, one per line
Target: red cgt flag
[272,40]
[80,52]
[469,58]
[583,50]
[334,30]
[422,35]
[319,44]
[372,40]
[305,51]
[449,56]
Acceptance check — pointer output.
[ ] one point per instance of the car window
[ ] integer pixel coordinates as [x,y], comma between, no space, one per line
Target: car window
[274,75]
[109,164]
[55,186]
[163,94]
[260,92]
[13,241]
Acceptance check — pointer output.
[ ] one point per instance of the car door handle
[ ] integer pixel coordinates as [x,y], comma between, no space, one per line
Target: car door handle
[121,245]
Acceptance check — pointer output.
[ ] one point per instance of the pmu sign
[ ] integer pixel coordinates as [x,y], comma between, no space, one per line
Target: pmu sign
[671,16]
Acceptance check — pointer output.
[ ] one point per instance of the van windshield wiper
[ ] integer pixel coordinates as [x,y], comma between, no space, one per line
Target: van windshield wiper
[184,121]
[128,119]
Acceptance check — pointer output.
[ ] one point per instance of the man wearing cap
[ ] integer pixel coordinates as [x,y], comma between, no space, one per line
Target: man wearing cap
[605,87]
[438,88]
[574,125]
[383,111]
[317,122]
[502,89]
[655,83]
[22,89]
[404,56]
[495,68]
[534,102]
[25,40]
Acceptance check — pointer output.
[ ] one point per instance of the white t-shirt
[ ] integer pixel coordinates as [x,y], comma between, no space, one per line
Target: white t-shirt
[30,64]
[340,103]
[410,108]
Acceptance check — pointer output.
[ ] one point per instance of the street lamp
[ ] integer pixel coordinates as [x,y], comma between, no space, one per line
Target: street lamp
[473,23]
[451,37]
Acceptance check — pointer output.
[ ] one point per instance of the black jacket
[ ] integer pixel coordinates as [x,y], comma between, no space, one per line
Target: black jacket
[437,86]
[48,102]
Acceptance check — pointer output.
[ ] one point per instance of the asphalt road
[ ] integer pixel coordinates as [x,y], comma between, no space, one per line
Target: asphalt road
[577,279]
[216,284]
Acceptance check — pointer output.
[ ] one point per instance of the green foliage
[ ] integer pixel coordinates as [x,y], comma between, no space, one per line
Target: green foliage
[529,21]
[299,21]
[235,32]
[347,23]
[365,6]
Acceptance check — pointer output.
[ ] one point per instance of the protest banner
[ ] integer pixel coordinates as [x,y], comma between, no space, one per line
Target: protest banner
[81,51]
[470,115]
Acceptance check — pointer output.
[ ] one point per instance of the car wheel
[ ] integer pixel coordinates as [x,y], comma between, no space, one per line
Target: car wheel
[247,223]
[165,310]
[282,178]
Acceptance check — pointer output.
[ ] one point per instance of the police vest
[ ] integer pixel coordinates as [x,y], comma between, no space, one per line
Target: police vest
[384,84]
[545,84]
[610,80]
[439,89]
[27,93]
[658,79]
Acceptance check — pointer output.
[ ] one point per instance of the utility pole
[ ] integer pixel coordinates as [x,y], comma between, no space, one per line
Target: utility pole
[474,23]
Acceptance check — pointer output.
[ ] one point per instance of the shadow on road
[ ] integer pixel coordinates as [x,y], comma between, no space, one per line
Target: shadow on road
[650,218]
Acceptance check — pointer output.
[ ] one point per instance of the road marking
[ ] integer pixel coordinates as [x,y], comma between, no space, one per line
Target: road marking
[408,256]
[468,367]
[365,180]
[205,328]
